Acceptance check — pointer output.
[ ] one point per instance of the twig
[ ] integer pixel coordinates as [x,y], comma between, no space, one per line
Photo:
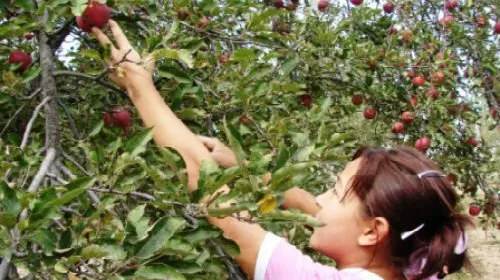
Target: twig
[4,268]
[71,121]
[44,168]
[74,162]
[12,118]
[96,79]
[32,120]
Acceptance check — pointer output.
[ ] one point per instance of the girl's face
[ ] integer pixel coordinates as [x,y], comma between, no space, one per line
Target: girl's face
[342,217]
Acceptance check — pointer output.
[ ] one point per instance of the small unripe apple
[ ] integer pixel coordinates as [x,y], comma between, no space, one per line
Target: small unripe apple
[406,35]
[370,113]
[481,22]
[96,14]
[418,81]
[356,2]
[474,210]
[182,13]
[357,99]
[496,29]
[472,142]
[305,100]
[323,5]
[29,36]
[438,77]
[407,117]
[388,7]
[203,22]
[224,58]
[451,4]
[84,26]
[245,120]
[22,58]
[432,93]
[398,127]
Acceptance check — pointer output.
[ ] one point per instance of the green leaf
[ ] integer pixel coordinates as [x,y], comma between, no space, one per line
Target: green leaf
[162,231]
[9,202]
[77,187]
[289,65]
[182,56]
[296,216]
[93,252]
[137,144]
[201,235]
[7,220]
[235,142]
[135,215]
[161,272]
[45,238]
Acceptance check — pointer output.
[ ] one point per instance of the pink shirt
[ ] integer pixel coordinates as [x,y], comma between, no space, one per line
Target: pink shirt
[278,260]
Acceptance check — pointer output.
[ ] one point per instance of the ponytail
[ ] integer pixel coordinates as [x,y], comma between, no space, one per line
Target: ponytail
[446,251]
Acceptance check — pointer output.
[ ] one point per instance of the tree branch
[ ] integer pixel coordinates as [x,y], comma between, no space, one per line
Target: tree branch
[44,168]
[71,121]
[96,79]
[27,131]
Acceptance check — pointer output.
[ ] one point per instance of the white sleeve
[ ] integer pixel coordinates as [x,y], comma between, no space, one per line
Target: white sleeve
[265,252]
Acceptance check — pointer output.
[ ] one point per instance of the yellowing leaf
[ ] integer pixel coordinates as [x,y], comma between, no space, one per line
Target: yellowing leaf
[267,204]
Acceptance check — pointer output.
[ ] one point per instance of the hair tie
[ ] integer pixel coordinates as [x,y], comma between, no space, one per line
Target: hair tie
[434,173]
[461,245]
[406,234]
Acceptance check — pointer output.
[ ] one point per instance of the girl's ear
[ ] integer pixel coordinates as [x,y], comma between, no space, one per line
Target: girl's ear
[374,232]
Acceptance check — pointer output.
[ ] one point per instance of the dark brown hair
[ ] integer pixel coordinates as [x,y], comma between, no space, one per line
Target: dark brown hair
[388,186]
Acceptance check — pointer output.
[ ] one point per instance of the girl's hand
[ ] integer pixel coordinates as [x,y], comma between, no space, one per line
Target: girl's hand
[219,152]
[127,69]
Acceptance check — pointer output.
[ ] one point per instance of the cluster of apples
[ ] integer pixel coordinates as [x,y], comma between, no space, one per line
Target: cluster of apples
[95,15]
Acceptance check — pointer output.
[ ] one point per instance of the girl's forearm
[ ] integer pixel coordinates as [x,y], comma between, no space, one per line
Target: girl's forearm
[168,129]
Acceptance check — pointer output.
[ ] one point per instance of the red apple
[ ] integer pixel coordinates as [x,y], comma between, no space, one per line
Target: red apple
[489,208]
[446,20]
[279,4]
[305,100]
[357,99]
[474,210]
[84,26]
[414,100]
[123,119]
[203,22]
[29,36]
[472,142]
[452,178]
[356,2]
[22,58]
[370,113]
[107,119]
[96,14]
[451,4]
[393,31]
[422,144]
[418,81]
[493,112]
[322,5]
[388,7]
[497,27]
[408,117]
[411,74]
[432,92]
[182,13]
[398,127]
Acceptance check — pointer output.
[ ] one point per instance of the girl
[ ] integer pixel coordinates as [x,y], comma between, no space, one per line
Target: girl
[391,214]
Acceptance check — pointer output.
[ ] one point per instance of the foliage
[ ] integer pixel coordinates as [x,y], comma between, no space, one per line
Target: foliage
[114,205]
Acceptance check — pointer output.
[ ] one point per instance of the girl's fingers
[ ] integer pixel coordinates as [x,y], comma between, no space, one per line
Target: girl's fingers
[102,38]
[210,143]
[121,39]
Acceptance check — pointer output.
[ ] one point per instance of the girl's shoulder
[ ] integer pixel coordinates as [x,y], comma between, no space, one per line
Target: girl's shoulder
[278,259]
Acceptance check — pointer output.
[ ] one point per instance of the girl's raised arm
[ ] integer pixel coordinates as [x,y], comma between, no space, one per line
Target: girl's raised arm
[169,131]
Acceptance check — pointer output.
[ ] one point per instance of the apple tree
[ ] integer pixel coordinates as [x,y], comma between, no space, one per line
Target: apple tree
[293,87]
